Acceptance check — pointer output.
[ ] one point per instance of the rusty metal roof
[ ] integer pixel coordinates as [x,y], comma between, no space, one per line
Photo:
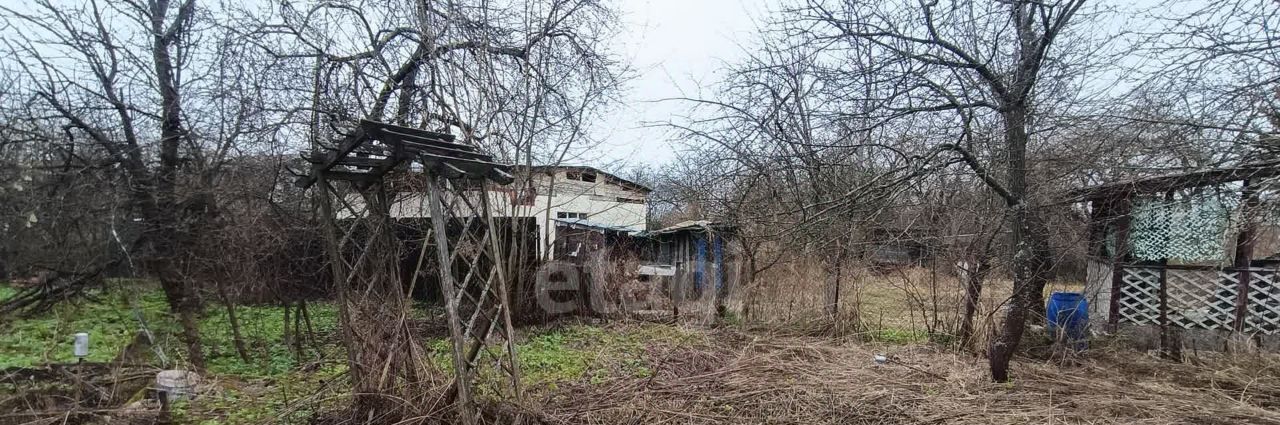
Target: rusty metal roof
[691,226]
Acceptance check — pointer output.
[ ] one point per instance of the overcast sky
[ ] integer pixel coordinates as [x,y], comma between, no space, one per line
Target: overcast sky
[674,45]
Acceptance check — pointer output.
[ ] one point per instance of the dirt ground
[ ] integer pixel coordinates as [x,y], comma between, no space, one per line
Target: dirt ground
[765,377]
[782,364]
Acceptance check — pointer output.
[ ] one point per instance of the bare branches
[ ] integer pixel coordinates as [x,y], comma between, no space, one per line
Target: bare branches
[522,85]
[1211,67]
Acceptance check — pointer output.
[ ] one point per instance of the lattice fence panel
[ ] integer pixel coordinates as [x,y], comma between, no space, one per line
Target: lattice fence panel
[1140,295]
[1200,299]
[474,284]
[1264,303]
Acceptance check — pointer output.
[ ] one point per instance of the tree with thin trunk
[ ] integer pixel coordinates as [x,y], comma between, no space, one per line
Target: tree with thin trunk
[157,110]
[954,63]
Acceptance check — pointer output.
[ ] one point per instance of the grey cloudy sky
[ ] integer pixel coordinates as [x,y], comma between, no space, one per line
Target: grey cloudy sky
[674,46]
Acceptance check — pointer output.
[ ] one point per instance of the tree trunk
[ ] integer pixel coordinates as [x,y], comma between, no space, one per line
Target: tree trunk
[306,322]
[236,337]
[1030,247]
[750,285]
[183,302]
[975,275]
[288,335]
[832,287]
[162,199]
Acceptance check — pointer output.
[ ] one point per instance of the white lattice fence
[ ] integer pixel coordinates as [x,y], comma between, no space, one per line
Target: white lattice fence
[1201,298]
[1264,303]
[1139,301]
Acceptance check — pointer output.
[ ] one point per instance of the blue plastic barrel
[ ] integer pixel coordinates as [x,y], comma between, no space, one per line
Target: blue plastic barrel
[1068,315]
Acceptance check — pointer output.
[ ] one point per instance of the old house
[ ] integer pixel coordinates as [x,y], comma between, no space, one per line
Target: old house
[555,199]
[891,248]
[699,254]
[568,200]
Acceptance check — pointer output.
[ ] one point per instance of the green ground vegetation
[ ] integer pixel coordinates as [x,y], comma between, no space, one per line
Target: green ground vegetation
[278,384]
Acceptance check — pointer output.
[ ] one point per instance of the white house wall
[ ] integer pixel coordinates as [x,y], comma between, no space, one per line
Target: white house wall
[599,200]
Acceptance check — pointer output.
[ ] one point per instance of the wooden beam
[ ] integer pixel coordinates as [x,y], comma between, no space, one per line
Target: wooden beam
[345,147]
[474,169]
[440,228]
[391,136]
[1244,252]
[351,176]
[367,149]
[445,137]
[1121,209]
[397,156]
[437,150]
[500,176]
[400,134]
[1178,181]
[360,161]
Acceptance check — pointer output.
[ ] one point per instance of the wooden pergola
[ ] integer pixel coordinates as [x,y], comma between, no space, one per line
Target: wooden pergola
[375,148]
[472,275]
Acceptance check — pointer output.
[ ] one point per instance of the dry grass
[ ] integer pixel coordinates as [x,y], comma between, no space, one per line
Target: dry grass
[741,377]
[783,372]
[911,299]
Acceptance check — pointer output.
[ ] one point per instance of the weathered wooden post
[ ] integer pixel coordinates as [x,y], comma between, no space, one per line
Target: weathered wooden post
[1122,210]
[1244,253]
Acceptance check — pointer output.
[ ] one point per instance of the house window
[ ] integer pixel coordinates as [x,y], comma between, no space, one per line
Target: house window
[571,215]
[586,176]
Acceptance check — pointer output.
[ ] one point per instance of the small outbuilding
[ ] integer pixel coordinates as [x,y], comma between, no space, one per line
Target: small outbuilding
[1184,252]
[697,254]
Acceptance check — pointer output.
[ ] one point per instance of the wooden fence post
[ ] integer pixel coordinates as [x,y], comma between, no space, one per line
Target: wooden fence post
[1244,253]
[1122,209]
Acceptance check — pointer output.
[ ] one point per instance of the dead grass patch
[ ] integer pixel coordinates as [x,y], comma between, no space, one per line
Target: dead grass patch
[915,299]
[739,377]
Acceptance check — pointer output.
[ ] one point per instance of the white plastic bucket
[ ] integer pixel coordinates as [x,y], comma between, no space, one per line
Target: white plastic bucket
[178,384]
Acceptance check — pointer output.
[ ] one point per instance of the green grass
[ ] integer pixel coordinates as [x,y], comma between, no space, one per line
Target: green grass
[253,392]
[107,317]
[262,328]
[897,336]
[573,353]
[110,318]
[272,386]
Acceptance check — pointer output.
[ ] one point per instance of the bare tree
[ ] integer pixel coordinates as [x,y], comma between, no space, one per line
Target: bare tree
[1211,72]
[850,100]
[147,103]
[519,80]
[777,161]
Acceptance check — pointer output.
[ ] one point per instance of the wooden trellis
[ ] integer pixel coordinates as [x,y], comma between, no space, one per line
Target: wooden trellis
[1140,300]
[472,276]
[474,284]
[1192,297]
[1201,298]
